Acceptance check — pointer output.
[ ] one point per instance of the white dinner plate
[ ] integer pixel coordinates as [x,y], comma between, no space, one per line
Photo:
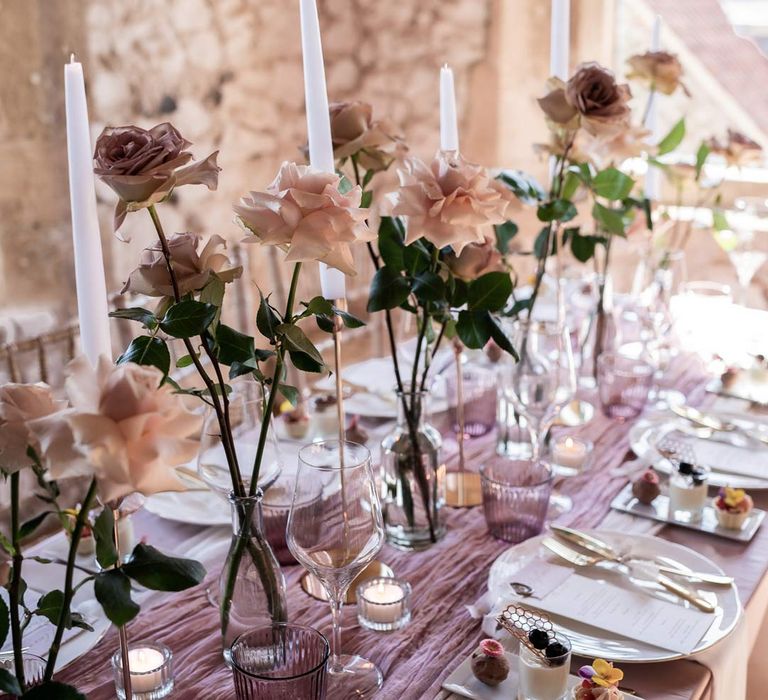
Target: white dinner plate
[590,642]
[649,431]
[192,507]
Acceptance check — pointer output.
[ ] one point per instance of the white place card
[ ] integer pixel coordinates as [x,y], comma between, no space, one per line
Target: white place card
[628,613]
[730,459]
[542,577]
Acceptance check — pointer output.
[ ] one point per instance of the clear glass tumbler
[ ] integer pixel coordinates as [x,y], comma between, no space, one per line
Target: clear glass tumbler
[515,498]
[623,385]
[280,662]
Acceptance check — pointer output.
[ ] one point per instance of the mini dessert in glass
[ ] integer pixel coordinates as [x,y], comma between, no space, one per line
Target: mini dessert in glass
[356,432]
[326,415]
[489,664]
[297,422]
[543,666]
[688,493]
[732,507]
[600,681]
[646,488]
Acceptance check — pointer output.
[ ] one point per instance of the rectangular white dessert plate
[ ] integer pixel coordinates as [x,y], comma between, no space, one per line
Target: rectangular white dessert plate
[659,510]
[462,683]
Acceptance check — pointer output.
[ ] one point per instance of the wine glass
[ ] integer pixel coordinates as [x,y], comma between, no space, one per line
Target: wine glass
[335,529]
[746,243]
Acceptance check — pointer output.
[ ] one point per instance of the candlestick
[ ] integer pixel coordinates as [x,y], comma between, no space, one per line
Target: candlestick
[383,604]
[332,281]
[92,304]
[560,39]
[651,185]
[449,129]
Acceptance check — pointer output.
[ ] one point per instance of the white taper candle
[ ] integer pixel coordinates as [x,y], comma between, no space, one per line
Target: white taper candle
[92,304]
[449,129]
[651,187]
[560,39]
[332,281]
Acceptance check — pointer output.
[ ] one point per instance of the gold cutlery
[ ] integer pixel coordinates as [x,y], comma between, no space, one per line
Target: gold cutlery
[665,565]
[582,560]
[706,420]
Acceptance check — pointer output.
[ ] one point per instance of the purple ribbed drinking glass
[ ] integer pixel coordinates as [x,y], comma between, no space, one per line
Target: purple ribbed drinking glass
[479,400]
[515,498]
[623,385]
[280,662]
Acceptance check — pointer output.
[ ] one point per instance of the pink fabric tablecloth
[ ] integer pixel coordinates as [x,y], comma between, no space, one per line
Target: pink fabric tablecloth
[445,578]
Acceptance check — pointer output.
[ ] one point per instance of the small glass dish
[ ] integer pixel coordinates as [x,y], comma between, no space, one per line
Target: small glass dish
[151,667]
[384,604]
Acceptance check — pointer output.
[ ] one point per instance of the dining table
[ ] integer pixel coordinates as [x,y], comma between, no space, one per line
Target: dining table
[447,579]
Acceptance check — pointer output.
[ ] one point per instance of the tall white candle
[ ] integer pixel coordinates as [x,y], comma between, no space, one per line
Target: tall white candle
[651,120]
[92,305]
[560,39]
[332,282]
[449,129]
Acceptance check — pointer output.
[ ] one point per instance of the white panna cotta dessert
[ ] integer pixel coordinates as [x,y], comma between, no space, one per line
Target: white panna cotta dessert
[688,493]
[545,678]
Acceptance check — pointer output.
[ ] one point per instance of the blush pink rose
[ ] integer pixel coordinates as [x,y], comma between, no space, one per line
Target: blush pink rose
[304,212]
[450,202]
[476,259]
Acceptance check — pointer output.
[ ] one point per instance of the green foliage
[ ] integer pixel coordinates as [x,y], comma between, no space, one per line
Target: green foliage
[303,353]
[158,572]
[474,328]
[389,289]
[719,220]
[148,350]
[612,184]
[504,234]
[9,684]
[556,210]
[267,320]
[523,185]
[30,526]
[188,318]
[609,220]
[113,591]
[53,690]
[428,286]
[103,533]
[673,139]
[4,622]
[391,243]
[701,158]
[489,292]
[143,316]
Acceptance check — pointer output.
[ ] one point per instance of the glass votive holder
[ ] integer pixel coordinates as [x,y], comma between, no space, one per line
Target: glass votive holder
[570,455]
[384,604]
[623,385]
[478,393]
[515,498]
[151,668]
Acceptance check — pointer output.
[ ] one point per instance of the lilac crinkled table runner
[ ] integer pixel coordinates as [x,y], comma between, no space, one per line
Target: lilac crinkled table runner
[445,578]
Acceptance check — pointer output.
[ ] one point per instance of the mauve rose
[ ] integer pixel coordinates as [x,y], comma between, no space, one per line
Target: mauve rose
[627,143]
[476,259]
[661,70]
[355,132]
[193,269]
[128,431]
[19,405]
[304,212]
[737,150]
[450,202]
[143,166]
[591,99]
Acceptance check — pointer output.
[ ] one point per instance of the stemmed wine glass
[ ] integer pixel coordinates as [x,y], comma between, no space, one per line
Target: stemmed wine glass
[541,383]
[335,529]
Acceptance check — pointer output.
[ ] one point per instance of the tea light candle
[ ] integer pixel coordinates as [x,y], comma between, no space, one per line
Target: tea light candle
[151,674]
[383,604]
[571,453]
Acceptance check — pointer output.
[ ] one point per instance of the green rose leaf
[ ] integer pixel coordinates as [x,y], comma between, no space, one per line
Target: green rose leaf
[146,350]
[188,318]
[474,328]
[416,258]
[113,591]
[490,291]
[504,234]
[460,293]
[719,220]
[53,690]
[673,139]
[349,320]
[583,247]
[318,306]
[143,316]
[540,248]
[49,606]
[297,341]
[523,185]
[234,346]
[502,339]
[305,363]
[427,286]
[610,220]
[104,534]
[391,244]
[612,184]
[30,526]
[9,684]
[4,622]
[153,569]
[556,210]
[570,184]
[266,319]
[291,393]
[389,289]
[701,157]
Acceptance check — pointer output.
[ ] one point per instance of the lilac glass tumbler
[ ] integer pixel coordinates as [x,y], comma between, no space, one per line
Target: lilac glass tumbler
[479,400]
[515,498]
[623,385]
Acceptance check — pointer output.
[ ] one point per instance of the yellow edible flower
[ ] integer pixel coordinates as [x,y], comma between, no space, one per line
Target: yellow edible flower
[606,675]
[733,497]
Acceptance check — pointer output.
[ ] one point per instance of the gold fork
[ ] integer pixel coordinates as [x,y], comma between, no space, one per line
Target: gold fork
[582,560]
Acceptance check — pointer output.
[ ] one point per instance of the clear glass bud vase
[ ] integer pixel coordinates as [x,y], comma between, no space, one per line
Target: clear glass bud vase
[413,490]
[252,585]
